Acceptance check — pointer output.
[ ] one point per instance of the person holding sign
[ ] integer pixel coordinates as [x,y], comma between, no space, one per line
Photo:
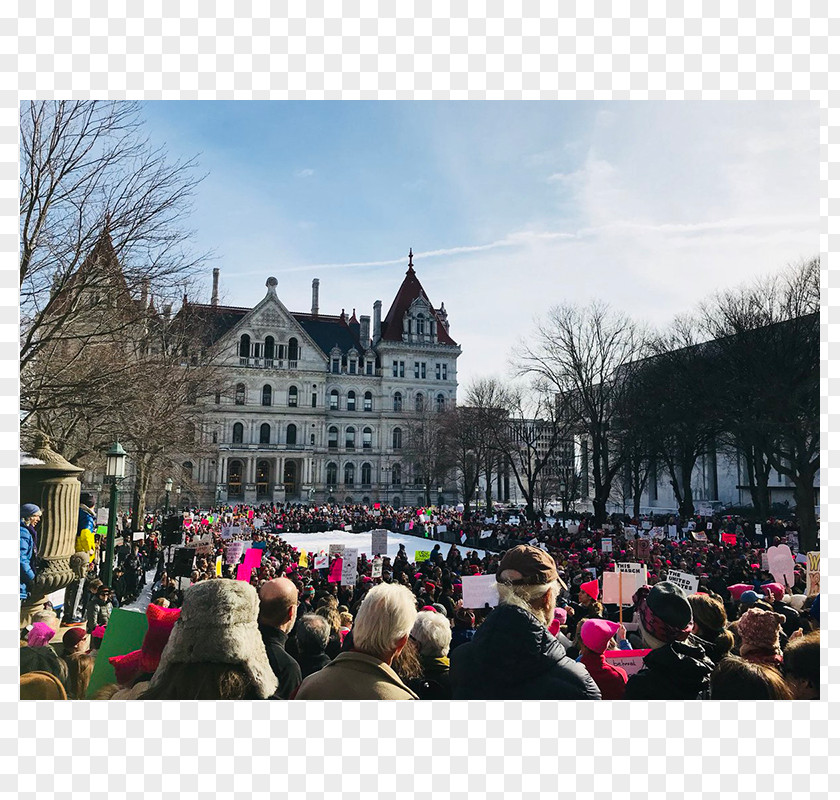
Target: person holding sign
[512,656]
[677,667]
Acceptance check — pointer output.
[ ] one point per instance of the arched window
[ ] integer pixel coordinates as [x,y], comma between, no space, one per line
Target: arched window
[421,325]
[398,401]
[234,478]
[244,346]
[265,433]
[348,501]
[396,439]
[350,438]
[332,437]
[269,347]
[368,406]
[188,469]
[367,439]
[294,351]
[418,402]
[349,474]
[440,400]
[396,502]
[366,473]
[240,394]
[266,395]
[293,396]
[332,473]
[396,474]
[291,434]
[237,432]
[351,400]
[263,477]
[334,400]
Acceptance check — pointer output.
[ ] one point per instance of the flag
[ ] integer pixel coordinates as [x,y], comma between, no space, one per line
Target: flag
[303,562]
[219,567]
[463,537]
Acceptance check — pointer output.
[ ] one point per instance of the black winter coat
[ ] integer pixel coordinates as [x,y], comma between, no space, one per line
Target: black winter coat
[678,671]
[282,664]
[513,657]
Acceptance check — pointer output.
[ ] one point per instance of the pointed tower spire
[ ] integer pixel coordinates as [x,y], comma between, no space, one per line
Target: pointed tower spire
[410,262]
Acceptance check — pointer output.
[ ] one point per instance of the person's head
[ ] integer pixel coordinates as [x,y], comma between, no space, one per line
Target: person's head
[527,577]
[40,634]
[30,514]
[596,634]
[432,634]
[215,650]
[88,500]
[313,634]
[161,601]
[710,622]
[346,619]
[464,618]
[103,594]
[331,615]
[759,631]
[664,613]
[93,586]
[278,604]
[79,670]
[736,679]
[802,666]
[384,621]
[73,641]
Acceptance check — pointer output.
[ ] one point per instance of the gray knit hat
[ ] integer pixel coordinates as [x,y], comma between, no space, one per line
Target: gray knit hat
[218,625]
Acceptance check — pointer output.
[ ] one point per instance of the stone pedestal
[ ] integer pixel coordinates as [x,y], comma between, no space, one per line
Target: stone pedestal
[50,481]
[250,494]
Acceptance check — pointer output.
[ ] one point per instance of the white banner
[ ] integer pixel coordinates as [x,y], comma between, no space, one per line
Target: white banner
[685,580]
[480,589]
[379,542]
[336,548]
[486,534]
[349,566]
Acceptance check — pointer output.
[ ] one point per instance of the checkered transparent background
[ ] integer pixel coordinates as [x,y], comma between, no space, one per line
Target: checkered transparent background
[426,49]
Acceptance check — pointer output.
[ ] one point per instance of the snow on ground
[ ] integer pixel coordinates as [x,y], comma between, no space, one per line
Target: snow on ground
[141,603]
[315,542]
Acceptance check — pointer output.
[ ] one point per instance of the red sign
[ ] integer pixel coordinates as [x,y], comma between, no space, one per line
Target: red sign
[729,538]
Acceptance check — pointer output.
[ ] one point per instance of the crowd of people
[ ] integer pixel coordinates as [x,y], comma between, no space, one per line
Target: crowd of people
[286,629]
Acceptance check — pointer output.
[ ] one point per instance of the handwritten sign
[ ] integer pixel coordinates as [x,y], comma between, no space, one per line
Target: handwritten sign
[376,568]
[813,575]
[322,561]
[606,544]
[686,581]
[486,534]
[233,552]
[229,531]
[378,542]
[729,538]
[102,515]
[349,565]
[336,548]
[479,590]
[421,555]
[441,529]
[631,661]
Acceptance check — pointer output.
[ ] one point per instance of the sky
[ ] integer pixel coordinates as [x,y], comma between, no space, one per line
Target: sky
[510,207]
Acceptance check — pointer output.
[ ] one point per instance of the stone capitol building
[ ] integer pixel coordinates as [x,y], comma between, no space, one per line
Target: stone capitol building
[315,406]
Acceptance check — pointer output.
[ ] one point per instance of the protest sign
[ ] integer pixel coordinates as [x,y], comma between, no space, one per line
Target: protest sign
[441,528]
[204,546]
[642,549]
[729,538]
[793,541]
[253,557]
[687,582]
[801,558]
[229,531]
[303,561]
[379,542]
[463,537]
[486,534]
[421,555]
[243,573]
[336,548]
[233,552]
[758,528]
[407,526]
[629,530]
[182,562]
[606,544]
[533,542]
[218,566]
[376,568]
[631,661]
[102,515]
[258,523]
[123,634]
[593,571]
[322,561]
[479,590]
[619,587]
[137,536]
[672,531]
[513,521]
[657,532]
[708,526]
[813,575]
[335,571]
[640,570]
[102,530]
[765,564]
[348,528]
[349,565]
[647,524]
[780,564]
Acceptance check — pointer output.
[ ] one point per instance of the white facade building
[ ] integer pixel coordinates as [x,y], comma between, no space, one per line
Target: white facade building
[314,408]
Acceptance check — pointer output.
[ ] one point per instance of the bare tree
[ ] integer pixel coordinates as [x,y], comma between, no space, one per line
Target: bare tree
[462,439]
[588,354]
[425,450]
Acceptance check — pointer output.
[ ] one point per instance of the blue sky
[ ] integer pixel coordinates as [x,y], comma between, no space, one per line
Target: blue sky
[511,207]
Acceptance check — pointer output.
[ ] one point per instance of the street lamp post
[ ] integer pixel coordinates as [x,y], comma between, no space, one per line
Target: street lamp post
[114,474]
[178,499]
[168,490]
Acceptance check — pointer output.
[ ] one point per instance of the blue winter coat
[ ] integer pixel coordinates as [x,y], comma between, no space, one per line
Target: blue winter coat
[27,559]
[86,520]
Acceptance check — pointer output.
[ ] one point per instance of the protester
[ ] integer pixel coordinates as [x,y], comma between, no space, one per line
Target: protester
[596,635]
[380,632]
[710,626]
[759,633]
[737,679]
[464,628]
[100,608]
[801,666]
[30,516]
[85,541]
[512,655]
[432,636]
[215,651]
[39,655]
[278,612]
[676,668]
[312,634]
[79,670]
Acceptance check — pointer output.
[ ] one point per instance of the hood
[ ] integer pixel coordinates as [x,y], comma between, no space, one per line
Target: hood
[684,664]
[515,646]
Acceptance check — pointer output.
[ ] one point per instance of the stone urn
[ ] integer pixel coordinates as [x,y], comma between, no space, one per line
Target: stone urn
[51,482]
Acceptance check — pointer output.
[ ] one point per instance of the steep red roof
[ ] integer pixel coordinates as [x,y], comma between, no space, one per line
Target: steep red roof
[408,292]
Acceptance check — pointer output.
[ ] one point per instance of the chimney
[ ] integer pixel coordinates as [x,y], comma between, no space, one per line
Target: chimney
[144,292]
[364,330]
[214,299]
[167,311]
[315,284]
[377,321]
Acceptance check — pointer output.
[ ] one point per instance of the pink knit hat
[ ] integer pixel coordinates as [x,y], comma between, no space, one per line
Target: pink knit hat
[759,630]
[776,589]
[737,589]
[596,633]
[591,588]
[40,634]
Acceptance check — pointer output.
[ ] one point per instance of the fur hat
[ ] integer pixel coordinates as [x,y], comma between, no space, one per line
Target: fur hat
[218,624]
[41,686]
[759,630]
[797,601]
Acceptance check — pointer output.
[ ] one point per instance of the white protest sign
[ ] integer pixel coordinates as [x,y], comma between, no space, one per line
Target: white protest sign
[348,528]
[407,526]
[102,515]
[640,570]
[513,521]
[322,562]
[699,536]
[258,523]
[629,530]
[441,528]
[478,590]
[138,535]
[486,534]
[765,564]
[376,568]
[813,575]
[378,542]
[758,528]
[708,526]
[793,541]
[533,542]
[229,531]
[572,528]
[647,524]
[336,548]
[686,581]
[204,546]
[619,587]
[672,531]
[349,566]
[606,545]
[631,661]
[780,564]
[233,552]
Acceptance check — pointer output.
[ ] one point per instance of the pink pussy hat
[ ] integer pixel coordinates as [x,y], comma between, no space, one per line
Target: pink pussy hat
[591,588]
[596,633]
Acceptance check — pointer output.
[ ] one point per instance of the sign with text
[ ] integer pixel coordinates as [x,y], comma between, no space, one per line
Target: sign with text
[258,523]
[349,564]
[619,587]
[486,534]
[699,536]
[813,576]
[480,590]
[642,549]
[229,531]
[729,538]
[672,531]
[322,561]
[606,544]
[376,568]
[685,580]
[631,661]
[421,555]
[102,515]
[793,541]
[379,542]
[336,548]
[233,552]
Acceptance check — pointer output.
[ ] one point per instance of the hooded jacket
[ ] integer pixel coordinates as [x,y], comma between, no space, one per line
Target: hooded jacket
[677,671]
[513,657]
[27,559]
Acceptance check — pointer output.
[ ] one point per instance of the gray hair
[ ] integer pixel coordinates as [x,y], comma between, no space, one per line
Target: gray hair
[528,597]
[313,633]
[432,634]
[384,617]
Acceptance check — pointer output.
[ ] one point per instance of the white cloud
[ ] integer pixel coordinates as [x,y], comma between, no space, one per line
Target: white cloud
[305,173]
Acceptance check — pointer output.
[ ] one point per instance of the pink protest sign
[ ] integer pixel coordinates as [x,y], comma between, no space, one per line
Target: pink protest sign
[631,661]
[253,557]
[335,571]
[250,513]
[729,538]
[243,573]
